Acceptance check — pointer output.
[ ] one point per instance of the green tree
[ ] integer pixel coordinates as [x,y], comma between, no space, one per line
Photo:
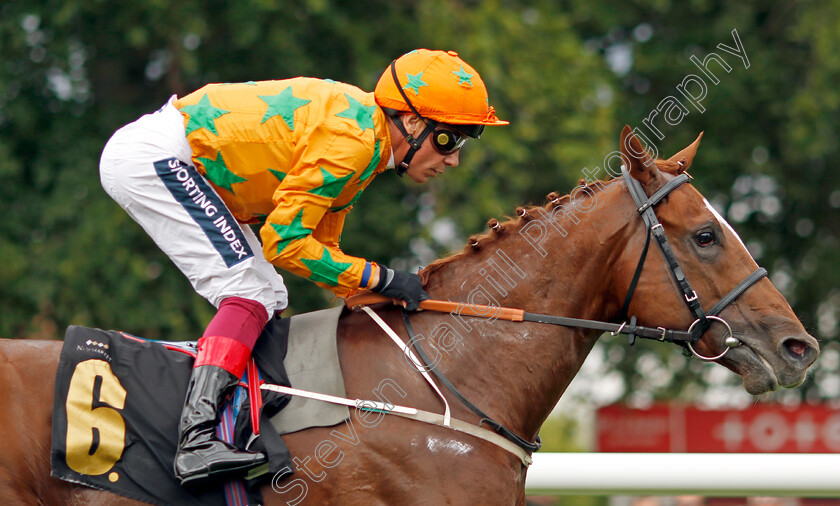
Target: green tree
[566,74]
[770,135]
[76,71]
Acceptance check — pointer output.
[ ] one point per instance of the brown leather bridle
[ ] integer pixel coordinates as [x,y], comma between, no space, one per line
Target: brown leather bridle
[702,320]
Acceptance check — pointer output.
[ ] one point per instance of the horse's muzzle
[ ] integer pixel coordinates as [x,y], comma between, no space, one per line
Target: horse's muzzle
[800,352]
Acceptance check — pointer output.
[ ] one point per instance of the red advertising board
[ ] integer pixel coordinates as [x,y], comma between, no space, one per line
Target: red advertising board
[757,429]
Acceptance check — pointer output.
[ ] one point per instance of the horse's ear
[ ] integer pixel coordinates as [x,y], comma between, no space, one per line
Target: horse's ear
[640,163]
[684,158]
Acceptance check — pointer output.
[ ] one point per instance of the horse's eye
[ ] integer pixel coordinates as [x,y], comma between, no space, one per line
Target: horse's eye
[705,238]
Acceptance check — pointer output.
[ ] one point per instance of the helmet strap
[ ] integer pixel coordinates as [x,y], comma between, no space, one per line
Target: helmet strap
[414,144]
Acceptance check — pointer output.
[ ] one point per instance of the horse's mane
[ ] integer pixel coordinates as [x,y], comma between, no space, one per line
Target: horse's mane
[509,225]
[512,224]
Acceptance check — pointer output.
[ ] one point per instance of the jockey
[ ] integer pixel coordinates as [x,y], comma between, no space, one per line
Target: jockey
[292,155]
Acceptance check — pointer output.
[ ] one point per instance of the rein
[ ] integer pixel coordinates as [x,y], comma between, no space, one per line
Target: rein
[645,207]
[518,315]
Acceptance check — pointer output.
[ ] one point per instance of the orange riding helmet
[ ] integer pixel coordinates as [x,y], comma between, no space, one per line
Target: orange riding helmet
[439,87]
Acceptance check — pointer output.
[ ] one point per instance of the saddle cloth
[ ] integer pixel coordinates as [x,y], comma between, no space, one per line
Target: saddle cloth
[311,364]
[118,400]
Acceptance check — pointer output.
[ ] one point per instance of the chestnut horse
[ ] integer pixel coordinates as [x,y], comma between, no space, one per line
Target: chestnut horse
[575,257]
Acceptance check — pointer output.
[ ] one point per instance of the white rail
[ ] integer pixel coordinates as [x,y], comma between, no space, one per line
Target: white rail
[708,474]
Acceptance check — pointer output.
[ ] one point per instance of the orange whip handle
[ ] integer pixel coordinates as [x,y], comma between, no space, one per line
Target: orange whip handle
[444,306]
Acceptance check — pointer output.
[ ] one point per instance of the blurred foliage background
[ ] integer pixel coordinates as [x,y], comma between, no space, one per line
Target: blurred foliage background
[567,74]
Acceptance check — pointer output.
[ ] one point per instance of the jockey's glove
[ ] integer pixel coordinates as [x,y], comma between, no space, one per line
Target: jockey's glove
[401,285]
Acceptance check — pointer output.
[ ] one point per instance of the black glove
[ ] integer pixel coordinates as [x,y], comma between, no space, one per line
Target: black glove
[401,285]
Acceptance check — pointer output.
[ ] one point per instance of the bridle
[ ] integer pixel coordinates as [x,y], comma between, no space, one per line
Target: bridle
[645,207]
[702,320]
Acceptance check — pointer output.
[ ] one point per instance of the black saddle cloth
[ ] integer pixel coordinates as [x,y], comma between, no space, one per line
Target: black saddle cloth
[118,400]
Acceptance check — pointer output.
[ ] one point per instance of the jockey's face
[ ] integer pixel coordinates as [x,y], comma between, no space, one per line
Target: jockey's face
[427,162]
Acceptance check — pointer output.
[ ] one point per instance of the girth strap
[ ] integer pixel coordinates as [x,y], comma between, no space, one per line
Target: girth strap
[411,414]
[501,429]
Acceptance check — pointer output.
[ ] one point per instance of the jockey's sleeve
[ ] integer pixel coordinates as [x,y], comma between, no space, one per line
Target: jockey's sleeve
[302,234]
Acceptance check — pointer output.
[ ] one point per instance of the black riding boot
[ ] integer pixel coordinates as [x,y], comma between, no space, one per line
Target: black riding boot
[201,455]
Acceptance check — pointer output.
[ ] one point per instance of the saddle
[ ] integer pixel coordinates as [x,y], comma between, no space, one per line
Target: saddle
[118,399]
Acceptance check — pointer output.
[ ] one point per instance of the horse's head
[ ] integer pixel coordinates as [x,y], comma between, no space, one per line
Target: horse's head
[775,349]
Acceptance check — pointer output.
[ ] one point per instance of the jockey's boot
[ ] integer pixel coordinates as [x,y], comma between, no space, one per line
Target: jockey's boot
[201,454]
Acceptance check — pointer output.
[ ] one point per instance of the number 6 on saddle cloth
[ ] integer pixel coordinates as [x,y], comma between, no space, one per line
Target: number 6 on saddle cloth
[118,401]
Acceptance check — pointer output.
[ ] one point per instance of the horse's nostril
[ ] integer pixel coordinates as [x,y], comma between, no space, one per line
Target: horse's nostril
[800,350]
[796,347]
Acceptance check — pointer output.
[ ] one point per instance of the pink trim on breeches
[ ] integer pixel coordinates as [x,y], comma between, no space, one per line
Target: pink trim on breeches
[239,319]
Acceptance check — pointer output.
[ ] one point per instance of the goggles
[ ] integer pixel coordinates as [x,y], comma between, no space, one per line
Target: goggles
[447,141]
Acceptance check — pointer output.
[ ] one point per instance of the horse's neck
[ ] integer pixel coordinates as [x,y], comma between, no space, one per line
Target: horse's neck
[518,371]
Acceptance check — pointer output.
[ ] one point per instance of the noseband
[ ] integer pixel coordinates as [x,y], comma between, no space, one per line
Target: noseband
[702,321]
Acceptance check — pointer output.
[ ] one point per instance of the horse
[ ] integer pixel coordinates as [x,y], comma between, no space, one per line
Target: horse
[581,256]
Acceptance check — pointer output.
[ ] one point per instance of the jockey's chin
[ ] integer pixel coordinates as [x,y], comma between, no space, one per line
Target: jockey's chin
[428,163]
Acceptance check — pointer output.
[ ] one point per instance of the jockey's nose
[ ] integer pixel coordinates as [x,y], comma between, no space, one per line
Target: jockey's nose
[453,159]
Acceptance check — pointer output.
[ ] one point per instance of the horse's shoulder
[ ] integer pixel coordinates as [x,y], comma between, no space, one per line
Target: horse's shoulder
[42,348]
[26,359]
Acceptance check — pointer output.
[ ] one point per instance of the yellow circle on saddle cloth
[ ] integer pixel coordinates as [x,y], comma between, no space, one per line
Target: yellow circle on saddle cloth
[113,477]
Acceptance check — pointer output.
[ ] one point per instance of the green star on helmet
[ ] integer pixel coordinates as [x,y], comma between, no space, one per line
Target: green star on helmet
[463,77]
[415,81]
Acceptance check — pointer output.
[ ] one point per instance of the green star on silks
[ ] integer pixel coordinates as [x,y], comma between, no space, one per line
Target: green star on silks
[463,77]
[415,81]
[283,104]
[362,114]
[374,161]
[332,186]
[326,270]
[219,174]
[203,115]
[278,174]
[292,231]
